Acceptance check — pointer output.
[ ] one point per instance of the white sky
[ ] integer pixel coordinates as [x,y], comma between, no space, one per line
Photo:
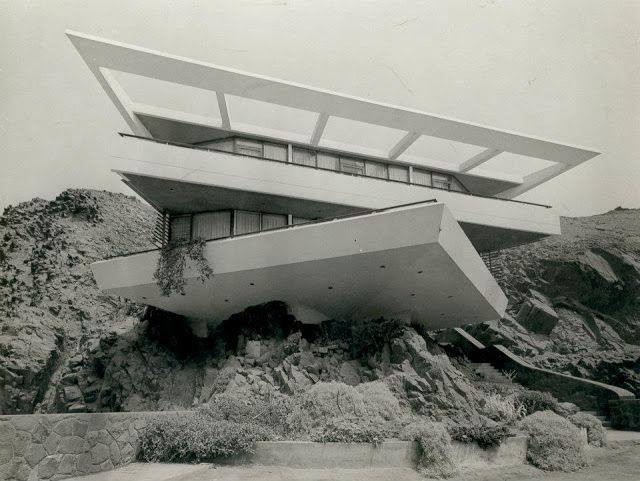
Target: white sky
[566,70]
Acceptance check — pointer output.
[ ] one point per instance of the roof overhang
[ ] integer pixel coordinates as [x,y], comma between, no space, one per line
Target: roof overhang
[105,56]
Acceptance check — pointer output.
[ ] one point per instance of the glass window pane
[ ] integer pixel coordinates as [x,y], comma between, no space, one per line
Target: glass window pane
[328,161]
[441,181]
[225,145]
[271,221]
[421,177]
[304,157]
[352,166]
[397,172]
[275,152]
[376,169]
[180,229]
[212,225]
[245,222]
[249,147]
[299,220]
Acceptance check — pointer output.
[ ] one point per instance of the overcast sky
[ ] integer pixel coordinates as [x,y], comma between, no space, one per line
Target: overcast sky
[568,71]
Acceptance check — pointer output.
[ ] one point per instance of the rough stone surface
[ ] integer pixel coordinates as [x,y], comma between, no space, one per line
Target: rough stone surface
[575,299]
[37,451]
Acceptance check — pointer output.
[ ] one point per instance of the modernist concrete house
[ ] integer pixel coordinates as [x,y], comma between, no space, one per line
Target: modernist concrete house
[337,205]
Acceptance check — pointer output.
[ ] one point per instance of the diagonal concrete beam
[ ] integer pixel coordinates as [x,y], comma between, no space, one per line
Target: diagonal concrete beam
[321,123]
[403,144]
[224,111]
[478,159]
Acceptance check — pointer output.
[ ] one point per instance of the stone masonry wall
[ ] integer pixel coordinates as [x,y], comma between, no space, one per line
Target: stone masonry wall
[56,446]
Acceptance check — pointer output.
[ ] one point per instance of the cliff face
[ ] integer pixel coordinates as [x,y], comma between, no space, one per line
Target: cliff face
[575,299]
[64,346]
[50,307]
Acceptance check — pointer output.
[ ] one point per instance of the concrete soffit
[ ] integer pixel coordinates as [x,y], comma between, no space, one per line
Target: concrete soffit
[103,56]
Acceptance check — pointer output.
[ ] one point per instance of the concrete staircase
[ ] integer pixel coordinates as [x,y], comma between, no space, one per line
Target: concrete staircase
[490,373]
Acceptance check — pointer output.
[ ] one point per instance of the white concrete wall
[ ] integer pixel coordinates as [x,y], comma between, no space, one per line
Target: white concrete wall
[251,174]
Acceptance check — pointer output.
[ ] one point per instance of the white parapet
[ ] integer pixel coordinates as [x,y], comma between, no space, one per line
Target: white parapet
[412,262]
[177,179]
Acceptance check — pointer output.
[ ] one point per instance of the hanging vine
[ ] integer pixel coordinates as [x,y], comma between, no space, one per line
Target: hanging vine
[169,274]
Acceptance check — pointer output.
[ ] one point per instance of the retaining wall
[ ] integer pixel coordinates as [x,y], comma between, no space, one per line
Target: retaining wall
[56,446]
[389,454]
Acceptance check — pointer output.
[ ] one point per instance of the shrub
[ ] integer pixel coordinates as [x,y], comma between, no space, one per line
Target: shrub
[435,453]
[595,431]
[506,409]
[345,430]
[554,443]
[269,411]
[196,437]
[534,401]
[325,401]
[379,402]
[484,435]
[368,336]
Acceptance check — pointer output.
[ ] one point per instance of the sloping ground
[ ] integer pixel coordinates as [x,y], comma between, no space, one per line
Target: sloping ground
[50,308]
[574,300]
[64,346]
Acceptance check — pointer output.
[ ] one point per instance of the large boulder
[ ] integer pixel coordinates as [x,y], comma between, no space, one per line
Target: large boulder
[537,316]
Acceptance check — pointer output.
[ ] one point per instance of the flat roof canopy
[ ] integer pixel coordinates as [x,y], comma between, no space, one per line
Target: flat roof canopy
[330,111]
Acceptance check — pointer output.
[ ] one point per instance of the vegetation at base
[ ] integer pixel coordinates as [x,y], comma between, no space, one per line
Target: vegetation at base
[502,408]
[555,443]
[371,406]
[595,430]
[269,411]
[169,273]
[435,452]
[196,437]
[486,436]
[349,430]
[368,335]
[534,401]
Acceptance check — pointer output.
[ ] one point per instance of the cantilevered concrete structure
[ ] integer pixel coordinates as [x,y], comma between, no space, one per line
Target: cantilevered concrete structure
[315,198]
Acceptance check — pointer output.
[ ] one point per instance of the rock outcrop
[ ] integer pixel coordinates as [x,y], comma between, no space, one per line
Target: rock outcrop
[50,307]
[66,347]
[575,300]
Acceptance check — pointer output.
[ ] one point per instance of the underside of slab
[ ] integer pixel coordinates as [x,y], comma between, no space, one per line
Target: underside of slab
[412,262]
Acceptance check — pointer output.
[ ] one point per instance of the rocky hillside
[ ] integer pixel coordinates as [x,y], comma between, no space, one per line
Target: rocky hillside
[50,307]
[575,299]
[66,347]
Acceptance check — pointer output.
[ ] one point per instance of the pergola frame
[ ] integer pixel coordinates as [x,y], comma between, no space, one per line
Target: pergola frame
[103,56]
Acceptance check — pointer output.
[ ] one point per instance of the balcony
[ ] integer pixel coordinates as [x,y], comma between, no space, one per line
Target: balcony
[412,262]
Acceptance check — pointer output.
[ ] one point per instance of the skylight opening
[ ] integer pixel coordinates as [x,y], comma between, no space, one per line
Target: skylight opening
[168,95]
[513,164]
[450,152]
[359,137]
[273,120]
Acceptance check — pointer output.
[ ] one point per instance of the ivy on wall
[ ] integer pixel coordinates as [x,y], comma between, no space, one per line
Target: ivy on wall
[169,274]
